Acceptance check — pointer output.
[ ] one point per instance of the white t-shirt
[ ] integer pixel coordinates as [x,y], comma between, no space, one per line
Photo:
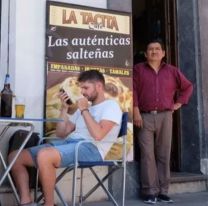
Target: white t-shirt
[106,110]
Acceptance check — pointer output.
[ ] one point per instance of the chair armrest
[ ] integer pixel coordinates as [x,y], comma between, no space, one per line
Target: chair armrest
[101,142]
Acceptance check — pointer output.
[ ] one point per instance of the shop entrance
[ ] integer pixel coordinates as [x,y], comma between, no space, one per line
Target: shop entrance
[157,19]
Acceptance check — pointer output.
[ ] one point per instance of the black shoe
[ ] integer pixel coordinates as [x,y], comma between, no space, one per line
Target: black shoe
[150,199]
[164,198]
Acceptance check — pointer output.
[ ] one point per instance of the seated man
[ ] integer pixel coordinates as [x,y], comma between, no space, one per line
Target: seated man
[99,121]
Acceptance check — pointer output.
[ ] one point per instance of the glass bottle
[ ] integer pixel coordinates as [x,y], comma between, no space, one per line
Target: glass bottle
[6,98]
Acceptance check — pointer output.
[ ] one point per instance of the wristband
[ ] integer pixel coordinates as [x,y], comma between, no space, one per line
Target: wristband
[84,110]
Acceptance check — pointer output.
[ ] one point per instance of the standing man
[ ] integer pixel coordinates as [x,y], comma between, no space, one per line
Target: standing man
[99,121]
[159,90]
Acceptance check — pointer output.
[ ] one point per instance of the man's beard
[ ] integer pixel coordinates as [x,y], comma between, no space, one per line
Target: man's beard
[92,97]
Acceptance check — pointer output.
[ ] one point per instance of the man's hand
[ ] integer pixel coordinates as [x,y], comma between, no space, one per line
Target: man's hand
[137,118]
[65,127]
[82,103]
[63,96]
[177,106]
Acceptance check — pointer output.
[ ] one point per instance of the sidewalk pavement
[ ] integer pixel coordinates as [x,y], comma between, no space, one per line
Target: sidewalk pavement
[187,199]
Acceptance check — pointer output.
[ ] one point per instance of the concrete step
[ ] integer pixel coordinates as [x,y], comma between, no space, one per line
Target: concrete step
[7,197]
[180,182]
[188,182]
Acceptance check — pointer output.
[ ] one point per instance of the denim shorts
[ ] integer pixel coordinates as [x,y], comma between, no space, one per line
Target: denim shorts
[66,148]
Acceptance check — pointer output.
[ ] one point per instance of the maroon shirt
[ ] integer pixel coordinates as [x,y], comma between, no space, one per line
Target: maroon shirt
[156,91]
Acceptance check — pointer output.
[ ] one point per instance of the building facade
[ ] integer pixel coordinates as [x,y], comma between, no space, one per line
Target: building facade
[181,23]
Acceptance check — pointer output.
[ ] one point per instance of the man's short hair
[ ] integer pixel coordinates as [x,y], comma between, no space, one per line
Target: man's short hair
[91,75]
[159,41]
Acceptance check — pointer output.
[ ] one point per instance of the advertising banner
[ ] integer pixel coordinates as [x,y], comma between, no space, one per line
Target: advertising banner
[80,38]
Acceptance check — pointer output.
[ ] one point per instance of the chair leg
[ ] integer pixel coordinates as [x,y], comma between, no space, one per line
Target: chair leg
[60,196]
[81,186]
[36,186]
[124,185]
[100,183]
[74,186]
[10,180]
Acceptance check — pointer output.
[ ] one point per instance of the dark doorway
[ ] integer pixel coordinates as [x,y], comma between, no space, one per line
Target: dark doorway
[157,19]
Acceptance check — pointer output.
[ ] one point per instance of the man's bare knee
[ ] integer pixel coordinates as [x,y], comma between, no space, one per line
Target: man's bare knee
[11,155]
[24,158]
[48,156]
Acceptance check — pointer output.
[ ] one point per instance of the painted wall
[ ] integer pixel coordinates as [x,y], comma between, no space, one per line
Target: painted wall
[4,41]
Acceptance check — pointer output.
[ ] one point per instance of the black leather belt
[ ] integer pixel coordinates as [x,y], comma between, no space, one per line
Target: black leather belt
[154,111]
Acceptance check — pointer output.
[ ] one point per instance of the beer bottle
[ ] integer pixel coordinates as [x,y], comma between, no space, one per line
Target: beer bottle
[6,99]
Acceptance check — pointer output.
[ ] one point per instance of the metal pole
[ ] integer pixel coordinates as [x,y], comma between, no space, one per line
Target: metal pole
[8,64]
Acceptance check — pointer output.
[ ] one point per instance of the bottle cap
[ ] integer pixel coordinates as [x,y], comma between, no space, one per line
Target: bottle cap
[7,79]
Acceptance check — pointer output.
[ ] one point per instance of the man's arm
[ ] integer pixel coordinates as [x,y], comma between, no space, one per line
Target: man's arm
[177,106]
[185,89]
[64,127]
[98,130]
[137,118]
